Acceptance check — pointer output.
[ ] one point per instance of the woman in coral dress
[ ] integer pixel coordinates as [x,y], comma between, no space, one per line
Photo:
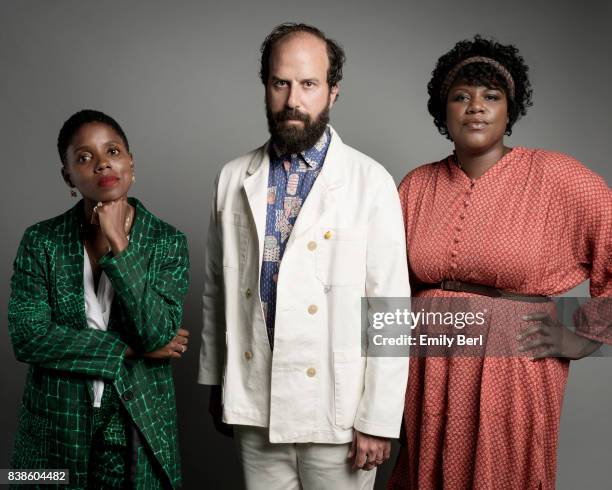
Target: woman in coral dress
[523,224]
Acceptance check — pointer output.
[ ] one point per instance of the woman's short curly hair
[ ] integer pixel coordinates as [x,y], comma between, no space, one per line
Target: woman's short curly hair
[335,53]
[482,74]
[79,119]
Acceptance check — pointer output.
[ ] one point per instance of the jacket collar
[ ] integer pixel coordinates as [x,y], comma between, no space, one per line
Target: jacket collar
[320,198]
[332,173]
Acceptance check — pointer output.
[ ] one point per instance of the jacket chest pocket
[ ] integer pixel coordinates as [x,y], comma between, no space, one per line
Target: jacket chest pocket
[340,256]
[235,238]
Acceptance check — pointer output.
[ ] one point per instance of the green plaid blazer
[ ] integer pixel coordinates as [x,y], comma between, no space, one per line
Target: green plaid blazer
[48,330]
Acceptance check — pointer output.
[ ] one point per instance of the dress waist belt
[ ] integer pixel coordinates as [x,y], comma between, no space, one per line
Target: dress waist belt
[468,287]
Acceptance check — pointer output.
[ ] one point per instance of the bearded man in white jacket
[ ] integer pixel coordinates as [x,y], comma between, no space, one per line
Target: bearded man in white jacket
[301,229]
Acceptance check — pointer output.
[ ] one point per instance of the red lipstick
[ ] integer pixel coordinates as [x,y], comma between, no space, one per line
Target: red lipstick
[107,181]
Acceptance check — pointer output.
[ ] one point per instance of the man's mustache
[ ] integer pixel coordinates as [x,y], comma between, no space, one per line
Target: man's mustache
[291,114]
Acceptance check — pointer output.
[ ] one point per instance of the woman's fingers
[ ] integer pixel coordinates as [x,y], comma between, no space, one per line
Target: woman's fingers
[533,330]
[173,349]
[539,336]
[179,339]
[539,316]
[178,346]
[550,352]
[534,344]
[174,355]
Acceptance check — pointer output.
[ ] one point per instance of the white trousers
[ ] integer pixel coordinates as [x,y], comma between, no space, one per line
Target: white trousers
[299,466]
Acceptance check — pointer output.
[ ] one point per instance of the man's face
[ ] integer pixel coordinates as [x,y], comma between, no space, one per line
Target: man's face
[298,97]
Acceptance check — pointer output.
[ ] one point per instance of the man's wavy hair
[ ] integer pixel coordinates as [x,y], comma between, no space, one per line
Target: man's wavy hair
[335,52]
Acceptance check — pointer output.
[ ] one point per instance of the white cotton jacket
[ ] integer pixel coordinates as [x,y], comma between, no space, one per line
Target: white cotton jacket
[348,242]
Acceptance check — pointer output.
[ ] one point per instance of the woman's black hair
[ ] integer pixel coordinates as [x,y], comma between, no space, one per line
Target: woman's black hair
[481,74]
[78,119]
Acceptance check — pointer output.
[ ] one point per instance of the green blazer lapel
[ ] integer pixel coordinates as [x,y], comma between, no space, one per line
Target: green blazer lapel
[69,293]
[140,234]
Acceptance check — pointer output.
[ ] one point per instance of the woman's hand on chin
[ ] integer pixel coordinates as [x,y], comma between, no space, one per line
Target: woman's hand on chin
[114,218]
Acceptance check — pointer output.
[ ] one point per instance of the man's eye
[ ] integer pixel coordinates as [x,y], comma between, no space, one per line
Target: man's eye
[309,84]
[83,158]
[280,83]
[113,151]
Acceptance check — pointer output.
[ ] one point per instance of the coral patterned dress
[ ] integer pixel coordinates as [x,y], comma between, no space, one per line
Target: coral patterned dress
[536,223]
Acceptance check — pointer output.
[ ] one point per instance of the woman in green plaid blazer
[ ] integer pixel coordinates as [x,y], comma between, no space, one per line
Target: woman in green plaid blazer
[124,434]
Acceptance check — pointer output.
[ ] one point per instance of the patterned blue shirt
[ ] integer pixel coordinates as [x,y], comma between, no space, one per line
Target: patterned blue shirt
[290,180]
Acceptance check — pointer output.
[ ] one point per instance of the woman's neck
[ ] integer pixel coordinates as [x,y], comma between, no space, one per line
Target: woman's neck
[88,207]
[476,163]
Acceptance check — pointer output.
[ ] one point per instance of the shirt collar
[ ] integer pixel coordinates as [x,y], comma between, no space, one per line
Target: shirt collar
[313,156]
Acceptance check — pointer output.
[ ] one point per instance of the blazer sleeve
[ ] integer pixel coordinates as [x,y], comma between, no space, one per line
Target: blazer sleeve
[213,332]
[382,402]
[151,289]
[40,341]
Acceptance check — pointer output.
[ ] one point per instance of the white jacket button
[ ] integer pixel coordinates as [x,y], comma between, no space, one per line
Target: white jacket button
[310,372]
[312,245]
[312,309]
[248,293]
[248,356]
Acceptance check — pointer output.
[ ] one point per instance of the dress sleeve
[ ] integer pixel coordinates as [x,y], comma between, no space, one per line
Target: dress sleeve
[592,214]
[40,341]
[151,289]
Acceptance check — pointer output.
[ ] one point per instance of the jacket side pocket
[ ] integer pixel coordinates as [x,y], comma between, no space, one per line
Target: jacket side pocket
[31,442]
[349,369]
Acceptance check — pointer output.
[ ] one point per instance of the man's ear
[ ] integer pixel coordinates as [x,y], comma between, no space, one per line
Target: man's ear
[333,94]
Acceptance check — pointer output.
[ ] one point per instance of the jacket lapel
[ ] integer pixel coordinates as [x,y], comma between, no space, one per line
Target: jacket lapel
[69,269]
[322,195]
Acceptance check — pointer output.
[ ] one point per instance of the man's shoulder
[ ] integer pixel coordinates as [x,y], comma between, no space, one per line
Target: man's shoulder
[242,163]
[365,165]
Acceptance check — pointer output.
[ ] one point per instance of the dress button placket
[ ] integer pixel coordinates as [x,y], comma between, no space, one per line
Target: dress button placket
[459,226]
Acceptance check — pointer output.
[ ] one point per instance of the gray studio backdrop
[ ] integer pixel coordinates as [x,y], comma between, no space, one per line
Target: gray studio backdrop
[181,77]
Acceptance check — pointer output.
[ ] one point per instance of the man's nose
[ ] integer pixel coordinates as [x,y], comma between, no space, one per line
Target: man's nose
[293,100]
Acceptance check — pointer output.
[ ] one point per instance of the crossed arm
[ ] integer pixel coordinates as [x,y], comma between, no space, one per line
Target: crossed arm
[40,340]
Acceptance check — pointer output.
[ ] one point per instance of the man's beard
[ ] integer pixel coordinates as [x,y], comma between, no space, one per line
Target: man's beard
[290,138]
